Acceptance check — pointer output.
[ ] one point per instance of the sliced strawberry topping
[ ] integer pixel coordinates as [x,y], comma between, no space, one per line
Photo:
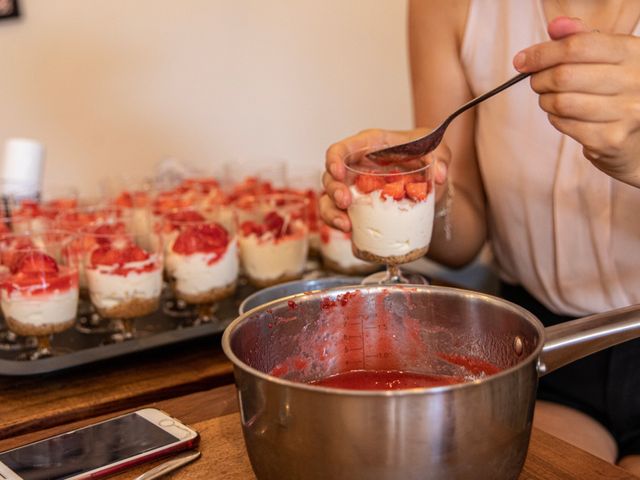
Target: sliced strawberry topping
[252,228]
[36,273]
[114,254]
[34,263]
[274,223]
[125,199]
[394,190]
[185,216]
[369,183]
[202,239]
[117,228]
[416,191]
[29,209]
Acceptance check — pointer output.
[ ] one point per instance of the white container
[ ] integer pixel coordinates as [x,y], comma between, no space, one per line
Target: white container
[22,168]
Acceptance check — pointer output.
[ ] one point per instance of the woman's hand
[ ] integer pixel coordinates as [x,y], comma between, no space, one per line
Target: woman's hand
[589,84]
[337,197]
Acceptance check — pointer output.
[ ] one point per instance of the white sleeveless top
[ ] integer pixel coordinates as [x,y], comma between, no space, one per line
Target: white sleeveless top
[558,226]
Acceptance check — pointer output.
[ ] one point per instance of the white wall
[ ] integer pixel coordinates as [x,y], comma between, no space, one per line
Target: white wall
[115,86]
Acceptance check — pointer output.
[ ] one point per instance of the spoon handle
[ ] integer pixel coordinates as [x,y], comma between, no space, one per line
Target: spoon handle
[429,142]
[473,102]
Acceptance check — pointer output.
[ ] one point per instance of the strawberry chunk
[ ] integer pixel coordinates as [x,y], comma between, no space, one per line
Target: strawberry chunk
[251,228]
[394,190]
[112,254]
[185,216]
[117,228]
[274,223]
[416,191]
[369,183]
[34,263]
[202,239]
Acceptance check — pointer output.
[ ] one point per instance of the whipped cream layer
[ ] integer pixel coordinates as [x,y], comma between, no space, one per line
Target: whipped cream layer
[109,289]
[388,227]
[201,272]
[337,247]
[41,309]
[270,259]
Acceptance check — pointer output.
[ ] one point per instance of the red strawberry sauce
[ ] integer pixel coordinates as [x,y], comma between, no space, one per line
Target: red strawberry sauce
[414,187]
[37,273]
[273,224]
[204,238]
[384,380]
[121,257]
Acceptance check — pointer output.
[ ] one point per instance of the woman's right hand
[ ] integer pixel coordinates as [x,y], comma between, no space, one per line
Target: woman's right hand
[337,198]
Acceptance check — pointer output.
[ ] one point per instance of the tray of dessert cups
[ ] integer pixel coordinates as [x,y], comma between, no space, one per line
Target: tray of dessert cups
[81,283]
[173,322]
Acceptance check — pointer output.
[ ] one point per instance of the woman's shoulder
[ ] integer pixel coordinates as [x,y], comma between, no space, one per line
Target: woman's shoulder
[450,15]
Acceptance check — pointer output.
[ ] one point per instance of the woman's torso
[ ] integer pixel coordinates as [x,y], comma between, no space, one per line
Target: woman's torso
[558,226]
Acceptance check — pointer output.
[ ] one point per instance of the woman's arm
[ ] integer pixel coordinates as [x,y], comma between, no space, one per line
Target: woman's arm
[439,87]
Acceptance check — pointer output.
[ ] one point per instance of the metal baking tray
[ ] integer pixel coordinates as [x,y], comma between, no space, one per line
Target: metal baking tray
[74,348]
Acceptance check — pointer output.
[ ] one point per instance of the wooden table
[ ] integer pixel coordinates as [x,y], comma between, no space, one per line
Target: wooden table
[35,403]
[214,415]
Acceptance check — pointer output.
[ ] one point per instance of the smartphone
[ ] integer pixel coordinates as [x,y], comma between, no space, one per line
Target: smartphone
[100,449]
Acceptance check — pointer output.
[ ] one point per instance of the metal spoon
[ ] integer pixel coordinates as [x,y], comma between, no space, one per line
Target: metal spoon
[169,466]
[428,143]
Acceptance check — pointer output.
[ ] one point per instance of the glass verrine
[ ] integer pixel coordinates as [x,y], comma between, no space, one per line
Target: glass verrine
[337,253]
[273,236]
[201,257]
[309,185]
[87,220]
[39,285]
[124,276]
[391,211]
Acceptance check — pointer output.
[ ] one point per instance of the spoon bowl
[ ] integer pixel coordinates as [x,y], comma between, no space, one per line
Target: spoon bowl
[430,142]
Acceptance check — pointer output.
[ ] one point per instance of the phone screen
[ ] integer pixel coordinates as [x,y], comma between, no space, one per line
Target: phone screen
[86,449]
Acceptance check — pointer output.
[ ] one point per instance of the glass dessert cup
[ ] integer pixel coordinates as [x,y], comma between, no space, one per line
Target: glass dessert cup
[9,341]
[39,287]
[309,185]
[337,254]
[90,220]
[273,236]
[201,259]
[391,212]
[124,277]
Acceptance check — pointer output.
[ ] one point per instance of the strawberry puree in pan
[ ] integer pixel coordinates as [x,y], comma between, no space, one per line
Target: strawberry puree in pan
[381,350]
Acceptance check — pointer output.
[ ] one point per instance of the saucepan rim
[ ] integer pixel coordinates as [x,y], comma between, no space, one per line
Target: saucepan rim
[242,308]
[524,313]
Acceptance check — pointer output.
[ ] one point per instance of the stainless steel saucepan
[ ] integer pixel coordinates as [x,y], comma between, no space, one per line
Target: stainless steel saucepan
[474,430]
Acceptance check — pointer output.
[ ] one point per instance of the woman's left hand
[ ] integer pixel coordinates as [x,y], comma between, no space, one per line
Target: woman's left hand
[589,84]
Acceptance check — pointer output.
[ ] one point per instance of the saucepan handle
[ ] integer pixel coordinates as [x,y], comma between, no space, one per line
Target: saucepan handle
[571,341]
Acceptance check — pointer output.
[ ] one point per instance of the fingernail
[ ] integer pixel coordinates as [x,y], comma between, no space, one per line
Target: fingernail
[339,197]
[520,60]
[442,171]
